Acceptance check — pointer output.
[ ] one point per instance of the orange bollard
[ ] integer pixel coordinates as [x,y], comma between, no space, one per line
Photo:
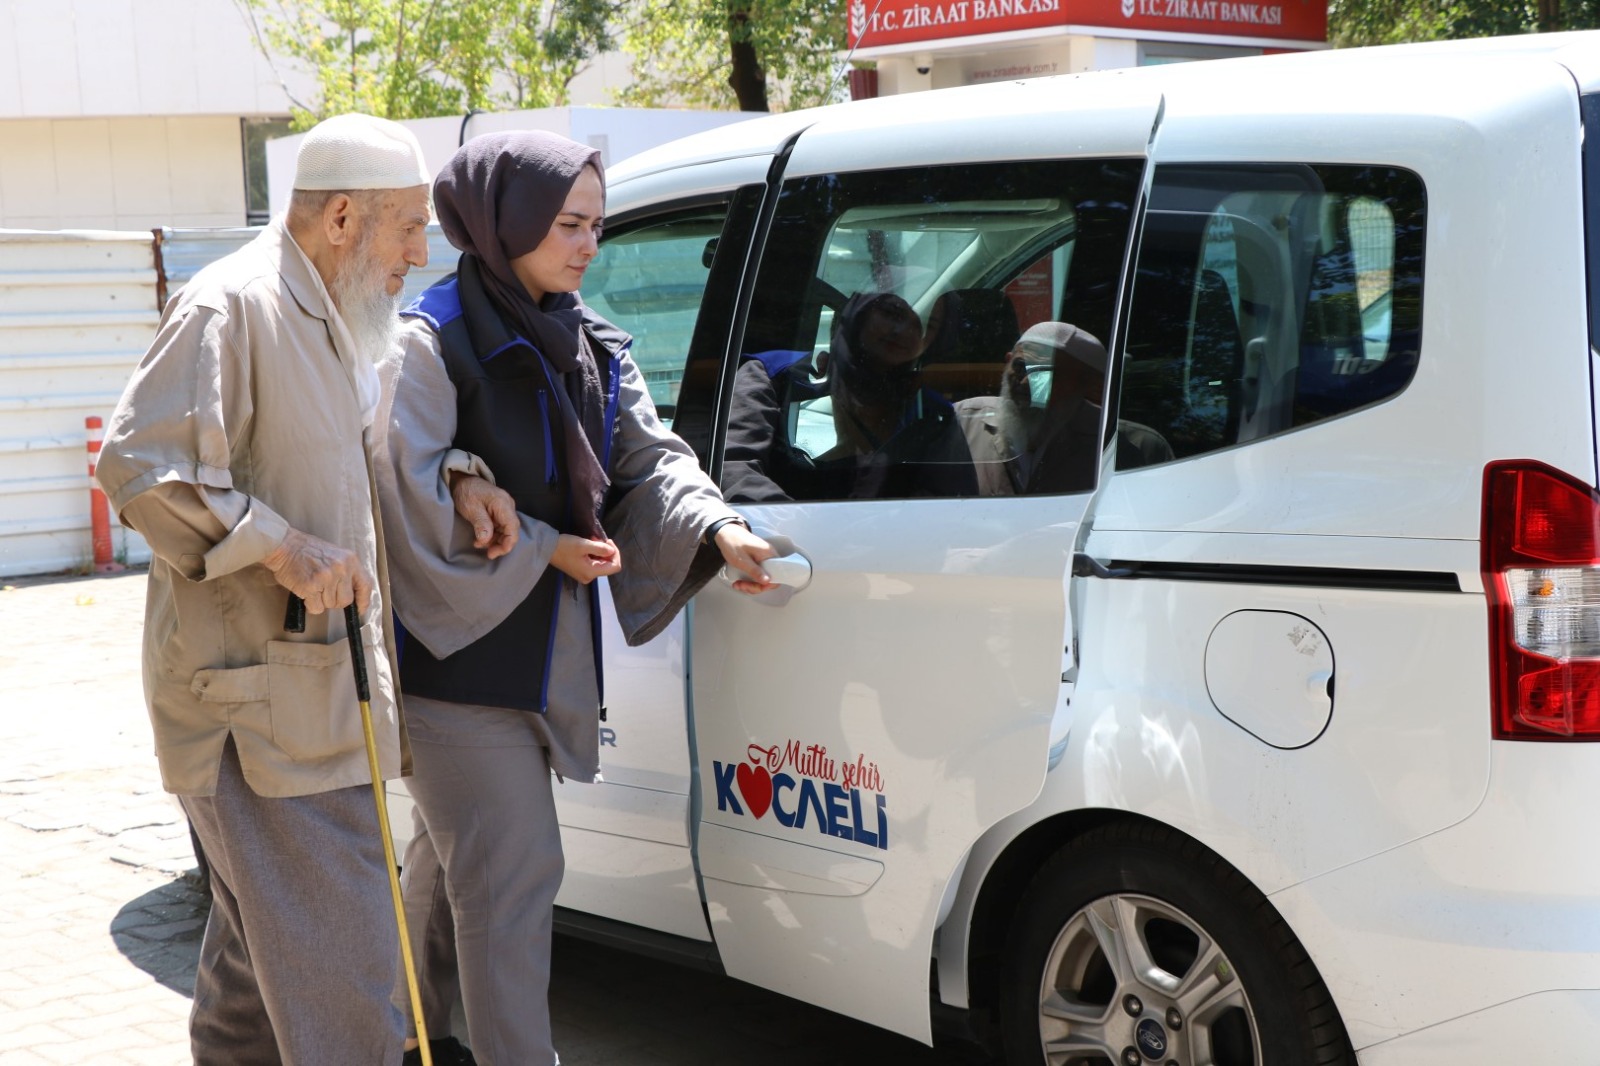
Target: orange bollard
[99,509]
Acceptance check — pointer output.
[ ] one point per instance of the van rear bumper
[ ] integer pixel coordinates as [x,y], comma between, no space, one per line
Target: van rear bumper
[1493,921]
[1546,1027]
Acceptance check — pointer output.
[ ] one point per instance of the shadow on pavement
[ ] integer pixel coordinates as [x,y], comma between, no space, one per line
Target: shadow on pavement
[160,931]
[610,1008]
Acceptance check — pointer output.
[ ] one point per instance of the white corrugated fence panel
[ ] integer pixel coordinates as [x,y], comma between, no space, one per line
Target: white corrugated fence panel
[77,310]
[185,251]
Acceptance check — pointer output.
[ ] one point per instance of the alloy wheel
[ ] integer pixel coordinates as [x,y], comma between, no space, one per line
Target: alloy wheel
[1132,980]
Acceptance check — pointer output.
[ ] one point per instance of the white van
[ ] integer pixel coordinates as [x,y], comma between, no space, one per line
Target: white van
[1254,723]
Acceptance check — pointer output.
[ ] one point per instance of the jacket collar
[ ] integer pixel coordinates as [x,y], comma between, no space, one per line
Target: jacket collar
[486,330]
[294,266]
[305,285]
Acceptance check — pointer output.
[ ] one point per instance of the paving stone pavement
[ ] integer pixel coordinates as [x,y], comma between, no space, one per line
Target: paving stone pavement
[99,913]
[100,916]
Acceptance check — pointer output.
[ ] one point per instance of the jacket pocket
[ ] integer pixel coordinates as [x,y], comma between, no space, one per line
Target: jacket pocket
[315,713]
[309,691]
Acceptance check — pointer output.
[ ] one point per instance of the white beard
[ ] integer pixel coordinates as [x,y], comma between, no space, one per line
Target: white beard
[370,314]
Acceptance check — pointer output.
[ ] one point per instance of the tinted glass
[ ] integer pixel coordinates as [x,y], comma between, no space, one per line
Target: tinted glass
[649,279]
[931,333]
[1269,298]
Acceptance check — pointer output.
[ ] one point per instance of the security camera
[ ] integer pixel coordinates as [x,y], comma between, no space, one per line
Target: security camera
[923,70]
[924,63]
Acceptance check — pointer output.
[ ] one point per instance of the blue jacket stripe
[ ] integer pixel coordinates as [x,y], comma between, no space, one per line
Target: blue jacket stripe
[438,305]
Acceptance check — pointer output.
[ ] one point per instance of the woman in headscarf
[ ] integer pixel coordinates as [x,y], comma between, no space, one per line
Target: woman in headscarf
[514,404]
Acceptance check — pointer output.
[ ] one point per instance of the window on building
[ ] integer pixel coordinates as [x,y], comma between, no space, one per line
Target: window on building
[1161,53]
[254,135]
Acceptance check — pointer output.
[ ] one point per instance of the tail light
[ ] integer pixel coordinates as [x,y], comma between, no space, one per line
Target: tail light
[1541,571]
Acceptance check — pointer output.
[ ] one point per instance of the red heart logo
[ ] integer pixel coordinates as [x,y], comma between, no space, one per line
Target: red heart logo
[755,785]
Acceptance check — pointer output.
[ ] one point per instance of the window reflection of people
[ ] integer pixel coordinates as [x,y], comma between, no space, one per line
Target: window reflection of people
[873,369]
[892,437]
[760,464]
[969,333]
[1042,433]
[896,438]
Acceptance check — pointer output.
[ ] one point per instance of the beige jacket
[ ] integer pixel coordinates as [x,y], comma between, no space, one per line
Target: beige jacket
[242,421]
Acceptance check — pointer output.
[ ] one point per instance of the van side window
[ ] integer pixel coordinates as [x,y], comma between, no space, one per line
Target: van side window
[935,332]
[1267,298]
[649,279]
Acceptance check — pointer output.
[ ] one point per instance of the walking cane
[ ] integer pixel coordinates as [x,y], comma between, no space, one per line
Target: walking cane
[295,622]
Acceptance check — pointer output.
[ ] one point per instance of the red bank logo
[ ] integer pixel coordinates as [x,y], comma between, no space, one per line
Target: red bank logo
[885,22]
[803,788]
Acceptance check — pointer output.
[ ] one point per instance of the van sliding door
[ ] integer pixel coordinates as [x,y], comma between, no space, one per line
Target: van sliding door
[917,414]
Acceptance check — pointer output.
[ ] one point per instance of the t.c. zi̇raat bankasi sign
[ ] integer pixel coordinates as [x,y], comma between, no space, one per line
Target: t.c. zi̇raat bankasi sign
[805,789]
[882,22]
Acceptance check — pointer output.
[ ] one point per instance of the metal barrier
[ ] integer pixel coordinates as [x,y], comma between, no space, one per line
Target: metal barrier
[77,310]
[181,253]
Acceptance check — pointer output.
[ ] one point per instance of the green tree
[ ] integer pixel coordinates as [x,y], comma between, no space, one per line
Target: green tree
[420,58]
[1359,22]
[753,55]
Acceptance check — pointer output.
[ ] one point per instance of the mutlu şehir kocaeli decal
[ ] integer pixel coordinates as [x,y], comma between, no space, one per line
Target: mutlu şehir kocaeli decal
[804,789]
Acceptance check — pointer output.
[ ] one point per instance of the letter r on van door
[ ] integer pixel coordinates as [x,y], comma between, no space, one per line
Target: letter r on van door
[723,775]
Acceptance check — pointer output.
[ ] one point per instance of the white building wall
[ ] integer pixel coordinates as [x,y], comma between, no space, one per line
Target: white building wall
[598,83]
[76,58]
[82,58]
[121,173]
[125,114]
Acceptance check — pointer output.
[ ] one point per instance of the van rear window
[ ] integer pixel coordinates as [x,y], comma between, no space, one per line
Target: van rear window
[1266,298]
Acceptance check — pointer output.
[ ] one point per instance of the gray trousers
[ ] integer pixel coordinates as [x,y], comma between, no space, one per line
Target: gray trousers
[300,953]
[481,876]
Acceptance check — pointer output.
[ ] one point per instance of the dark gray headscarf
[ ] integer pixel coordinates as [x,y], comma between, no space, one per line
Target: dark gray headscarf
[496,200]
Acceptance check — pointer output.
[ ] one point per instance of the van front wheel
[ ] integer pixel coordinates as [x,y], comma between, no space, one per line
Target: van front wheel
[1135,945]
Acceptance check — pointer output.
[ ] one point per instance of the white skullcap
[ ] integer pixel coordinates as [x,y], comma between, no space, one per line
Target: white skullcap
[360,152]
[1063,338]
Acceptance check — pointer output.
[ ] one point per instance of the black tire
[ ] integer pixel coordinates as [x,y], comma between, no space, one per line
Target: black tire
[1246,992]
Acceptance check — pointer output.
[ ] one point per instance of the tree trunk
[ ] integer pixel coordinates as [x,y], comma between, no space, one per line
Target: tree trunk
[746,78]
[1549,16]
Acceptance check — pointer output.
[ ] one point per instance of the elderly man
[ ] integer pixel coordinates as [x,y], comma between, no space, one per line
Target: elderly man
[1026,447]
[240,452]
